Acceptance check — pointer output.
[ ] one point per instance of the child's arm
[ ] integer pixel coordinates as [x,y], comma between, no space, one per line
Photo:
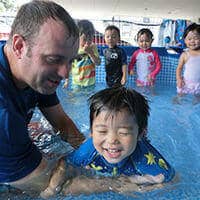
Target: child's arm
[132,63]
[92,51]
[124,67]
[158,66]
[65,85]
[179,78]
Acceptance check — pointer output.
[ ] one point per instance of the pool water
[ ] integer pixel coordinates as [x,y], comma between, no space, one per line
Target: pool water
[173,129]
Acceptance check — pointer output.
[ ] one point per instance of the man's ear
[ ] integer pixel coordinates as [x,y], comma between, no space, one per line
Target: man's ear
[18,45]
[90,134]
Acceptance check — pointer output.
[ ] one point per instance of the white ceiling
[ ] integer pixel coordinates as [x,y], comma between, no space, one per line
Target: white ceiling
[170,9]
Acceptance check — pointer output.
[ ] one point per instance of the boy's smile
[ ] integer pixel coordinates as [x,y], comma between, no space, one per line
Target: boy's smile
[115,135]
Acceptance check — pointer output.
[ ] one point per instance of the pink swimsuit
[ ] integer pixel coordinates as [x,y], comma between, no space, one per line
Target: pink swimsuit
[191,76]
[147,64]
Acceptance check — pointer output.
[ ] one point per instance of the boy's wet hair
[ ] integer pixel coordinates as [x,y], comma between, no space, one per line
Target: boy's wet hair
[113,27]
[31,16]
[144,31]
[86,27]
[192,27]
[117,98]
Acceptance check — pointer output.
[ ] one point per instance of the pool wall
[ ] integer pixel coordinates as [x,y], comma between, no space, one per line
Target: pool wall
[167,75]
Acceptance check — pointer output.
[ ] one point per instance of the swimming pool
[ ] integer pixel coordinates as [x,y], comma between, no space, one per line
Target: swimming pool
[173,130]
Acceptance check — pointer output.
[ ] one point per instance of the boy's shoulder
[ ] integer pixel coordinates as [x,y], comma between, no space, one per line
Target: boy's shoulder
[148,160]
[83,155]
[143,149]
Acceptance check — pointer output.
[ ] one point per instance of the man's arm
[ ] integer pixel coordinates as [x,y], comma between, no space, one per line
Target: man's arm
[63,123]
[123,184]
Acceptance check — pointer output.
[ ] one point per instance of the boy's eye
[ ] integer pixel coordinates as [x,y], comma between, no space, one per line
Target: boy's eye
[101,132]
[123,133]
[111,36]
[144,41]
[53,60]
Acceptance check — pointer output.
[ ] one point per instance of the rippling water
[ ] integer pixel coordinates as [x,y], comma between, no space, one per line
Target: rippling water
[173,129]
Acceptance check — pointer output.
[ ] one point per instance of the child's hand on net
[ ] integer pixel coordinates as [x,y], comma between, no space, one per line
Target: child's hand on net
[131,72]
[123,81]
[150,79]
[180,83]
[65,85]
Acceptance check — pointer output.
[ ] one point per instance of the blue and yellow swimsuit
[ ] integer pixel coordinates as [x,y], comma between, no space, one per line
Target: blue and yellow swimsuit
[144,160]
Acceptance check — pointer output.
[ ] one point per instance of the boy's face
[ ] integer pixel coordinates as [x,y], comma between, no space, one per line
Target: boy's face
[144,42]
[111,38]
[115,135]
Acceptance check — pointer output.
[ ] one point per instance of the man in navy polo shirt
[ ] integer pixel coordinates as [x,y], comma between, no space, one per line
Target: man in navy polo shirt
[36,57]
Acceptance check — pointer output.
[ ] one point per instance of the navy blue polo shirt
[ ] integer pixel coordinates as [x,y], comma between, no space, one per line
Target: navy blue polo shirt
[18,155]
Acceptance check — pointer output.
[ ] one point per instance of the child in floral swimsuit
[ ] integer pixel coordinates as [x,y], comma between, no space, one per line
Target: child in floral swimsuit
[145,59]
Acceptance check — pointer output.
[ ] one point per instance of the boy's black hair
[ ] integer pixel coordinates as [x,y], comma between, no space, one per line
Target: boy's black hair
[118,98]
[145,31]
[113,27]
[85,27]
[191,27]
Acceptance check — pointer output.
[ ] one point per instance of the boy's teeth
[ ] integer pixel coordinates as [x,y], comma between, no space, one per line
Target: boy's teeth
[112,150]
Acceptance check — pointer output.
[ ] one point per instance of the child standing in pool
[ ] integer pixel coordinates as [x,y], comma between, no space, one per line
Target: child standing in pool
[145,59]
[188,82]
[83,67]
[118,120]
[115,58]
